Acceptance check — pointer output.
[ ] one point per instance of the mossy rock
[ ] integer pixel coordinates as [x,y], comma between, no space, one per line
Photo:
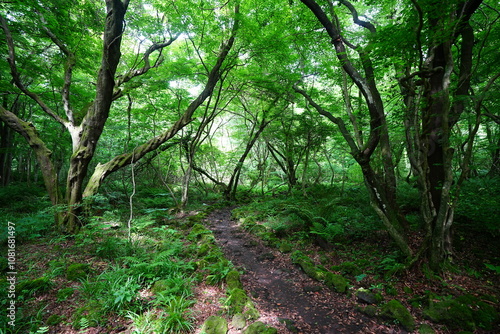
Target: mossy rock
[251,312]
[336,282]
[368,297]
[308,266]
[237,301]
[215,325]
[77,271]
[285,247]
[259,327]
[369,310]
[197,231]
[160,286]
[203,249]
[238,321]
[426,329]
[233,280]
[466,312]
[31,286]
[394,310]
[451,313]
[54,319]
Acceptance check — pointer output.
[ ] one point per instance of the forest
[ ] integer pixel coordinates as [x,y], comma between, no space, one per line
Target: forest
[243,166]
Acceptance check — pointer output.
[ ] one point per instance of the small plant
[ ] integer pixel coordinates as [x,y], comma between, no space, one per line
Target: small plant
[179,317]
[218,271]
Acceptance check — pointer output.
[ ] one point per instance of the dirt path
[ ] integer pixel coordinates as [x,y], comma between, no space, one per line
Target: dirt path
[285,296]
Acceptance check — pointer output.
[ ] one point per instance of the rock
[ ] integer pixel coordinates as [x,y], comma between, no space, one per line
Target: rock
[366,296]
[426,329]
[285,247]
[215,325]
[251,312]
[238,321]
[369,310]
[237,300]
[336,282]
[396,311]
[233,280]
[451,313]
[259,327]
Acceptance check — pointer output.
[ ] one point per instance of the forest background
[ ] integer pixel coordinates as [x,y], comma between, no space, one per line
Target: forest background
[176,102]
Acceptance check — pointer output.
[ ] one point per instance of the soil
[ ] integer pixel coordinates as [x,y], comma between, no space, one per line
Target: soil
[287,299]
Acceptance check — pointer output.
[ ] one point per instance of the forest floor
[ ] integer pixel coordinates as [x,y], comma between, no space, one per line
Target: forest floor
[285,296]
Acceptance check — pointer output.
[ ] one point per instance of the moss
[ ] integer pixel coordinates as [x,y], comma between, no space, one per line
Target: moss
[394,310]
[203,249]
[54,319]
[31,286]
[236,301]
[451,313]
[285,247]
[336,282]
[369,310]
[251,312]
[233,280]
[238,321]
[4,264]
[215,325]
[259,327]
[90,315]
[485,315]
[77,271]
[308,266]
[160,286]
[348,268]
[426,329]
[197,231]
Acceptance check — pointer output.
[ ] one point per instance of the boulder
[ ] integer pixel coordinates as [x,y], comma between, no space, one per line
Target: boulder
[215,325]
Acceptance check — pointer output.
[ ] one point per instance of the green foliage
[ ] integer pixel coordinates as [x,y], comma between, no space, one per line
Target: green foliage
[218,271]
[478,207]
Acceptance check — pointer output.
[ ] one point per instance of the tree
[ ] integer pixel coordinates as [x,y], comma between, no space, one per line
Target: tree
[435,92]
[85,127]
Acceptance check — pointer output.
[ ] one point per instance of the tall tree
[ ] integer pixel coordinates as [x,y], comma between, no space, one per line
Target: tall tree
[437,62]
[85,127]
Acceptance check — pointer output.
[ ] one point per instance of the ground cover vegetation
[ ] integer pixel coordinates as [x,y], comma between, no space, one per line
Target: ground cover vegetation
[360,138]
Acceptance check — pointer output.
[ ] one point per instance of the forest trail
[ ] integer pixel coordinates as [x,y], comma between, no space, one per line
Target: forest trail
[287,298]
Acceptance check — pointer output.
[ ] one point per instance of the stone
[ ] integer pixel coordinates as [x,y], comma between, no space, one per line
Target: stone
[366,296]
[396,311]
[238,321]
[233,280]
[215,325]
[336,282]
[259,327]
[426,329]
[369,310]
